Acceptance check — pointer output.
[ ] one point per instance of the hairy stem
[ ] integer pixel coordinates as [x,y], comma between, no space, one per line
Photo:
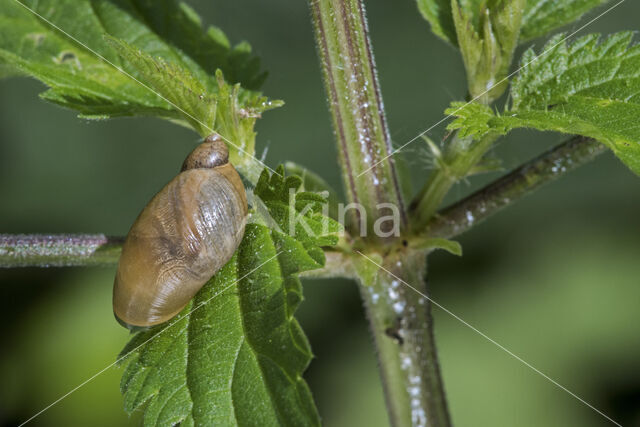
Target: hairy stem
[76,250]
[547,167]
[402,327]
[399,319]
[58,250]
[357,110]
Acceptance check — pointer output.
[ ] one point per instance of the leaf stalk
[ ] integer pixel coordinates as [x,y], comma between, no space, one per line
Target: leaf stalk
[58,250]
[549,166]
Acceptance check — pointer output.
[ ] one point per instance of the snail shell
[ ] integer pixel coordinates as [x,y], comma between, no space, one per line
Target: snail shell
[187,232]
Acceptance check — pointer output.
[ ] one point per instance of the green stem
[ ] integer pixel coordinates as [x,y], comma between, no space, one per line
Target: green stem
[58,250]
[399,318]
[83,250]
[523,180]
[461,156]
[357,110]
[402,327]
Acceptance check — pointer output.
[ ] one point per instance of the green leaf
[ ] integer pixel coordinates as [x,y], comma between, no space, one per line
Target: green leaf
[7,70]
[441,14]
[367,267]
[473,119]
[205,105]
[487,37]
[161,45]
[236,354]
[175,84]
[543,16]
[539,16]
[432,243]
[311,181]
[438,14]
[590,87]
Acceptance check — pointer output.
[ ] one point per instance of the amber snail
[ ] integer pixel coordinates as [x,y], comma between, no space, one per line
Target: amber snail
[187,232]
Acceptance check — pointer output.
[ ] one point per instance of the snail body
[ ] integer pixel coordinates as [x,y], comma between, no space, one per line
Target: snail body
[187,232]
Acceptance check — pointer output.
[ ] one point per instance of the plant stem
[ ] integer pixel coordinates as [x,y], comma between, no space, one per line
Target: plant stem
[461,156]
[358,114]
[84,250]
[65,250]
[58,250]
[547,167]
[399,318]
[402,327]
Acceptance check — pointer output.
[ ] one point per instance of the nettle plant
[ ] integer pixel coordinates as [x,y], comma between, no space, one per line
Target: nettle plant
[236,354]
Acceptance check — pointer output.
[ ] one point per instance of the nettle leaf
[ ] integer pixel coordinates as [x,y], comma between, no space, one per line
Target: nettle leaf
[440,16]
[590,87]
[173,83]
[203,102]
[432,243]
[473,119]
[487,37]
[315,183]
[543,16]
[7,70]
[539,16]
[236,354]
[162,45]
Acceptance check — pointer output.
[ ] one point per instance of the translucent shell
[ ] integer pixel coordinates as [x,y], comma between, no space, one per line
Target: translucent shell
[187,232]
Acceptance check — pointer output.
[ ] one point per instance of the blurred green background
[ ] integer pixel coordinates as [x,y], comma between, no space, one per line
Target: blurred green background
[555,278]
